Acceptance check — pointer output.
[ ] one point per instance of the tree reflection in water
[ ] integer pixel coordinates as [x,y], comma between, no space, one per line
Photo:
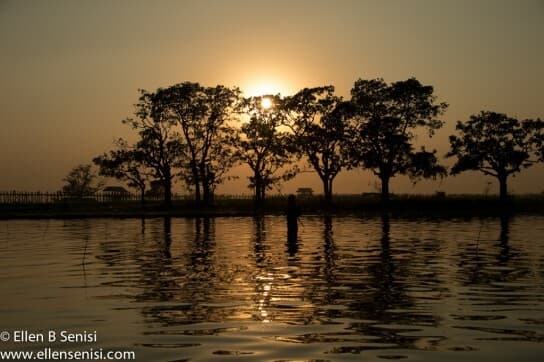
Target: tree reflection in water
[259,248]
[186,280]
[485,261]
[505,253]
[379,283]
[356,289]
[329,250]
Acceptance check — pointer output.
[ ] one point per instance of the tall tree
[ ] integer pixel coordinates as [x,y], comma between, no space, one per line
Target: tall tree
[81,181]
[159,143]
[383,129]
[262,146]
[496,145]
[536,129]
[203,115]
[317,118]
[126,164]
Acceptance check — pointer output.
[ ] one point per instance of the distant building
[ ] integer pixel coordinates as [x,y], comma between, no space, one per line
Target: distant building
[305,192]
[115,192]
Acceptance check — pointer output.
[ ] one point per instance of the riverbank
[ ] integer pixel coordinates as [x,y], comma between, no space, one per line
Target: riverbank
[400,205]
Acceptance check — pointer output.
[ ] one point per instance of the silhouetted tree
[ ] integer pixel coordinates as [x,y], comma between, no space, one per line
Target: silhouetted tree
[156,189]
[263,147]
[496,145]
[536,128]
[317,119]
[159,144]
[81,181]
[203,114]
[383,129]
[125,164]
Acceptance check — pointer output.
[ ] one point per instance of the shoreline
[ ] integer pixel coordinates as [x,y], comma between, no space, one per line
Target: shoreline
[414,206]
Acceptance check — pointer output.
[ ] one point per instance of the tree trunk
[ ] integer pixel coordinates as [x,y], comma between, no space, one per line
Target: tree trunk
[142,196]
[385,189]
[327,191]
[196,181]
[205,193]
[503,189]
[259,189]
[204,180]
[257,192]
[167,184]
[211,194]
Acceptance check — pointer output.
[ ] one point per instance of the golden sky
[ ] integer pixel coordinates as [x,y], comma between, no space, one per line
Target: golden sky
[70,70]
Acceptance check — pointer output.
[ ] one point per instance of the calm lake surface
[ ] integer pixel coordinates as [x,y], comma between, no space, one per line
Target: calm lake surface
[346,289]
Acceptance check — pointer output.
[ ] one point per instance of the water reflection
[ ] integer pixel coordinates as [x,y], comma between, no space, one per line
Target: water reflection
[344,288]
[484,262]
[496,274]
[259,232]
[505,252]
[386,229]
[142,225]
[203,247]
[385,284]
[158,273]
[167,240]
[292,241]
[329,251]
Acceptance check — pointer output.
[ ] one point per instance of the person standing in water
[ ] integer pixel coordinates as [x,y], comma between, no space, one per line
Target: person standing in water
[292,224]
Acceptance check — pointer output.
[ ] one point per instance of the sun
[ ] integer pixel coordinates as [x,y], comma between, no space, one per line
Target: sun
[266,102]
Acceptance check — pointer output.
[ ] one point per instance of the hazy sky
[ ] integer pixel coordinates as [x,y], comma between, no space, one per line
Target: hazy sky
[70,70]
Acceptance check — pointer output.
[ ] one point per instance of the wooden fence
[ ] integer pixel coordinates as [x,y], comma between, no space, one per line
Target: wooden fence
[16,197]
[30,198]
[44,198]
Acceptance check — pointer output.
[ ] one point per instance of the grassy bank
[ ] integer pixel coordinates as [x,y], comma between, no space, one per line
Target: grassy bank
[400,205]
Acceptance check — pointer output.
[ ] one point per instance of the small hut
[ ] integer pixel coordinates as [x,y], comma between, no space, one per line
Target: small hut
[115,193]
[305,192]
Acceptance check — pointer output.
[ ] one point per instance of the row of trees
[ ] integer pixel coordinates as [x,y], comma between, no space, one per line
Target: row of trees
[197,134]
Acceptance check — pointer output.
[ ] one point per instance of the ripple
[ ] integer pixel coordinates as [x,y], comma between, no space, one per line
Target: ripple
[391,356]
[231,353]
[478,317]
[169,345]
[463,349]
[351,289]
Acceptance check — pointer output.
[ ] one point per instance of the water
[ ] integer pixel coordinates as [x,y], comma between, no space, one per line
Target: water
[347,289]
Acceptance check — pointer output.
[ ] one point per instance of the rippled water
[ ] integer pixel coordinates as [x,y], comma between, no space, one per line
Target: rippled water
[236,288]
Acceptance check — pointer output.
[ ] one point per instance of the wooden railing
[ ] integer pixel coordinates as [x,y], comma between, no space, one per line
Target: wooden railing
[28,198]
[35,198]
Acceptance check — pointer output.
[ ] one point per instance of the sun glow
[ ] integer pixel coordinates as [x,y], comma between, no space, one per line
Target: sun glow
[266,102]
[262,88]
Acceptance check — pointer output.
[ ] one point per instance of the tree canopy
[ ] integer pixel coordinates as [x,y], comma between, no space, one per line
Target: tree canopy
[317,118]
[202,115]
[81,182]
[193,133]
[496,145]
[126,164]
[263,147]
[159,144]
[382,130]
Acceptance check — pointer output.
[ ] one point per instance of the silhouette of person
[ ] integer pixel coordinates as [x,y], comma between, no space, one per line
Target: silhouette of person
[292,213]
